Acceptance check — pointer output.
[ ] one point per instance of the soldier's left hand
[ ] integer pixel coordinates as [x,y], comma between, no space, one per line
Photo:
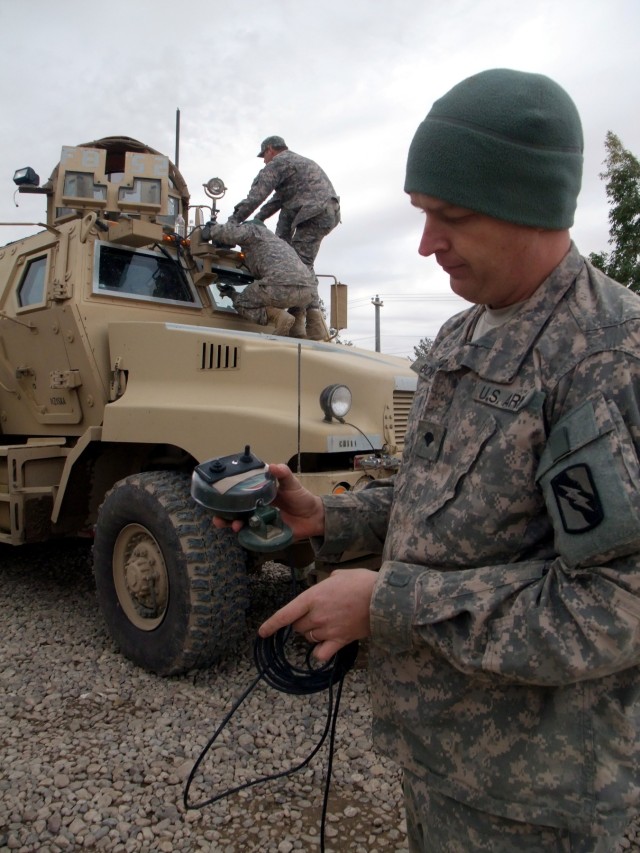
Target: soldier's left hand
[332,613]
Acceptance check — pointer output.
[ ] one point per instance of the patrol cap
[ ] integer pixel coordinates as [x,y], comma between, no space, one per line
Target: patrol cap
[271,142]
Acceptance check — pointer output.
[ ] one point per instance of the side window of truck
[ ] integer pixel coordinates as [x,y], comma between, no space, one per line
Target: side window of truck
[32,287]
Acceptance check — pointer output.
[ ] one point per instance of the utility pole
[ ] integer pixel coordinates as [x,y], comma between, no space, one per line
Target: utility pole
[377,303]
[177,154]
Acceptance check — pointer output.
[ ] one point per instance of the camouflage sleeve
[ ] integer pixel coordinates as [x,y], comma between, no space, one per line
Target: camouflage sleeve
[229,233]
[574,615]
[272,206]
[263,185]
[356,521]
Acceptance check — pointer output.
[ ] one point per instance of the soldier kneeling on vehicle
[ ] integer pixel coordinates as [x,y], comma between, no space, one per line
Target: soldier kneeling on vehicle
[281,280]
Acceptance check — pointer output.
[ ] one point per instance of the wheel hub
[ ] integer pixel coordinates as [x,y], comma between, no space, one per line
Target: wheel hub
[140,577]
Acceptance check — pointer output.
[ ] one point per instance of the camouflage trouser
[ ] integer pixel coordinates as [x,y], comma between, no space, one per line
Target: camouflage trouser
[257,297]
[437,824]
[306,236]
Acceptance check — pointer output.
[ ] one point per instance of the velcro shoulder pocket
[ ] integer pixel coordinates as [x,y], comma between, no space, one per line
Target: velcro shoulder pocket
[589,475]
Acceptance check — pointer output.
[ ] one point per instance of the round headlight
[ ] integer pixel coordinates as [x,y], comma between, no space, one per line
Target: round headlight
[335,402]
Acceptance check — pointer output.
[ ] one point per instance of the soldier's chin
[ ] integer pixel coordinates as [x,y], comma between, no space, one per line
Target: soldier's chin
[465,288]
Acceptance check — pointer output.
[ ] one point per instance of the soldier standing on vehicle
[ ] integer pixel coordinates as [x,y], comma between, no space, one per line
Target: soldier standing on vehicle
[281,280]
[504,623]
[308,204]
[309,209]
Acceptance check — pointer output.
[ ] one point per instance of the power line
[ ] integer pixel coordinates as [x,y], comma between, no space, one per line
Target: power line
[432,297]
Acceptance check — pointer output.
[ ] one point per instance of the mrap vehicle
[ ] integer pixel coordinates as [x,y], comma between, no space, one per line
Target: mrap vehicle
[122,368]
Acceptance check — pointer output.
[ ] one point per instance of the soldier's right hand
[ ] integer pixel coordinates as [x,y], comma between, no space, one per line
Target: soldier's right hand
[300,509]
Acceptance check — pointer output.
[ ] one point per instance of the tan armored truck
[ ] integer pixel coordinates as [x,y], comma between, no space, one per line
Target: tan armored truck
[122,368]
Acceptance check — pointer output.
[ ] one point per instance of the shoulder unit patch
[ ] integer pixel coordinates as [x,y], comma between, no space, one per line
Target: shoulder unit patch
[577,499]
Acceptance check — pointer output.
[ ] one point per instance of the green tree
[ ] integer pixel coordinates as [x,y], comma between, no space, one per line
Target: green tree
[421,349]
[622,174]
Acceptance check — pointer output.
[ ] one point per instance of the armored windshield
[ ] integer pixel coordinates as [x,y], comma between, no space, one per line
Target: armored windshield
[141,274]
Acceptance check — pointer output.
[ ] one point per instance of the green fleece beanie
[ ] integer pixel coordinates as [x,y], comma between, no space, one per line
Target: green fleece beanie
[504,143]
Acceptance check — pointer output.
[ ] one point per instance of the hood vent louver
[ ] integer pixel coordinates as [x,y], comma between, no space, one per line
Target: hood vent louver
[219,357]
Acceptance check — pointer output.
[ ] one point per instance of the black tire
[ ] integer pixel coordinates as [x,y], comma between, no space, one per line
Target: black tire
[172,588]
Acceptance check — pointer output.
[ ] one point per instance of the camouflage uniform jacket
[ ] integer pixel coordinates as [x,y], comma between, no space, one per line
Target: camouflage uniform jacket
[505,648]
[298,184]
[270,260]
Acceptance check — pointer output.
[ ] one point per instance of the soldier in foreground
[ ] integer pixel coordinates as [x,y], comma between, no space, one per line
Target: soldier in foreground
[281,280]
[504,623]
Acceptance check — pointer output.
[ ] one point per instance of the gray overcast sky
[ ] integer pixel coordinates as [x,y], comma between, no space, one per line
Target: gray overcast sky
[346,82]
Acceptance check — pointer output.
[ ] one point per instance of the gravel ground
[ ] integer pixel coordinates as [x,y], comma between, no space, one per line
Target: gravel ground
[94,752]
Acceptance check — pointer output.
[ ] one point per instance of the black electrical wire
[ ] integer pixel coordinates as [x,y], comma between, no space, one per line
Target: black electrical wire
[364,435]
[278,671]
[271,660]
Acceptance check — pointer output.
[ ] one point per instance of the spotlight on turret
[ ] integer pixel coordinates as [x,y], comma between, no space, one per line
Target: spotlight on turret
[26,177]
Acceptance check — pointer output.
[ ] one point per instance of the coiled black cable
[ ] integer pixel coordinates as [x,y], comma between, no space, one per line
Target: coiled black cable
[270,656]
[277,669]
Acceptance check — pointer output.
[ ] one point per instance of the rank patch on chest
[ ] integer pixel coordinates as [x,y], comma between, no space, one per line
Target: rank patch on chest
[502,397]
[430,436]
[577,499]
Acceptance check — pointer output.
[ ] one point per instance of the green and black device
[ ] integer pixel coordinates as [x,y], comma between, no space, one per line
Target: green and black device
[240,486]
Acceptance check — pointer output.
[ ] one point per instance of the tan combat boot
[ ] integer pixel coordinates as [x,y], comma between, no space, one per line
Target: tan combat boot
[298,330]
[316,329]
[281,319]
